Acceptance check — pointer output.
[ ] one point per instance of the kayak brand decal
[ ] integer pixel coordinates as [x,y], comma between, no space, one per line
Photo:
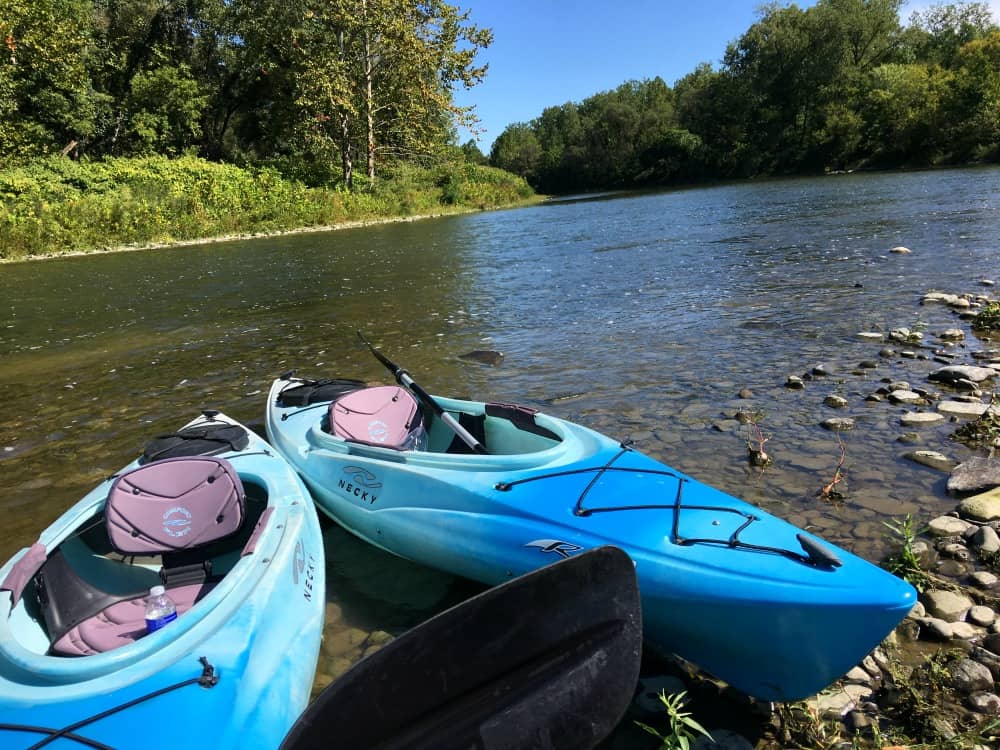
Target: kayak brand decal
[359,482]
[177,521]
[378,431]
[555,546]
[304,570]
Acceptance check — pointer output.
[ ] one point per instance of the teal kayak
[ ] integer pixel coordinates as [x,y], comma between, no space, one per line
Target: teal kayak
[233,537]
[761,604]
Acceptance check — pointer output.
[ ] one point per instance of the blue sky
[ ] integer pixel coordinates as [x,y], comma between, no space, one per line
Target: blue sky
[549,52]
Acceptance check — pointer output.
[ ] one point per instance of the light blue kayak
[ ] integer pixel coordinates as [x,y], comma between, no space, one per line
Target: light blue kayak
[234,669]
[761,604]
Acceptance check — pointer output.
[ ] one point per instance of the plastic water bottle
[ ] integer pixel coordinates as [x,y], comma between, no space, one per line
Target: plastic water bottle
[160,609]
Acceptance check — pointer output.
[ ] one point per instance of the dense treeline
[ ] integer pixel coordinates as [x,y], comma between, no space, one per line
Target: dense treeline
[840,85]
[336,84]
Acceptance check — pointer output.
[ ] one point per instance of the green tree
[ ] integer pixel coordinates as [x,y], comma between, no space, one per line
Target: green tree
[517,150]
[973,102]
[902,110]
[472,153]
[46,100]
[168,104]
[939,32]
[388,69]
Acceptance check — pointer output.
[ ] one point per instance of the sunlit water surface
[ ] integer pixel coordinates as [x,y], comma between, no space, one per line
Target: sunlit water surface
[642,316]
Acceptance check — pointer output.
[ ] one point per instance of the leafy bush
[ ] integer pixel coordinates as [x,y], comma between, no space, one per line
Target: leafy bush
[56,205]
[988,318]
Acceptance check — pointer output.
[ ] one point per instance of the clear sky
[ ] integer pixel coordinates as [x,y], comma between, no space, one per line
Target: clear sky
[549,52]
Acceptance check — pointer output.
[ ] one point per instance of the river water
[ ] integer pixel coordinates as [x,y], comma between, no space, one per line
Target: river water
[639,315]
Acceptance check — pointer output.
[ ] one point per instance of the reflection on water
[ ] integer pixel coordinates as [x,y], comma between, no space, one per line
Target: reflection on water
[639,315]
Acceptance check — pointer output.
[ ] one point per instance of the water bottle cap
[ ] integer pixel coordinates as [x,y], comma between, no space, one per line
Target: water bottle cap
[157,591]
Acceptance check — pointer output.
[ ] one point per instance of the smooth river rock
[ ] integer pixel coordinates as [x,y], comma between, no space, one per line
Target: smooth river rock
[956,373]
[963,408]
[932,459]
[978,473]
[982,507]
[921,418]
[946,605]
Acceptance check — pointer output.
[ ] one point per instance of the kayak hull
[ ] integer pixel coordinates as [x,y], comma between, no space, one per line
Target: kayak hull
[760,614]
[235,669]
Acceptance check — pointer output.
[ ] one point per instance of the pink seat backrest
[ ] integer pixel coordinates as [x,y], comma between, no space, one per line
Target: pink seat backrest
[385,415]
[174,504]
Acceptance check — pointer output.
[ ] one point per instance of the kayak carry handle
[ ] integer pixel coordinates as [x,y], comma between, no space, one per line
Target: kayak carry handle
[818,553]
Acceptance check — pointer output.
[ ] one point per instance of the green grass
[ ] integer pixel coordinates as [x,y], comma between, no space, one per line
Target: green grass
[55,205]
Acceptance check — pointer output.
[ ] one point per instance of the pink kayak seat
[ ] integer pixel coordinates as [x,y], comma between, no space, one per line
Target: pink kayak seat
[174,504]
[122,623]
[386,416]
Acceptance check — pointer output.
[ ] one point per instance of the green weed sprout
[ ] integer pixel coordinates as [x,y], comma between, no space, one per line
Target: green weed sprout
[683,729]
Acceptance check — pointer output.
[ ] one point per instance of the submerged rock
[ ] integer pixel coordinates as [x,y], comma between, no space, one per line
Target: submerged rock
[483,356]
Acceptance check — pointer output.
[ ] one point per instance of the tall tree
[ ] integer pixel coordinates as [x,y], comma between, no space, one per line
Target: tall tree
[46,100]
[388,69]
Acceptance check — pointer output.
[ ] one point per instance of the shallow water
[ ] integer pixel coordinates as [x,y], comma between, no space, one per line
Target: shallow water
[640,315]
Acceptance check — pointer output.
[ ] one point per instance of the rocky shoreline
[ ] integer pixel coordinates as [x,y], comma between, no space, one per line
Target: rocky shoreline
[935,681]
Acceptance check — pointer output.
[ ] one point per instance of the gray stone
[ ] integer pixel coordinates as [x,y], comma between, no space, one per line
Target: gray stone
[900,250]
[982,507]
[983,578]
[952,334]
[795,383]
[933,459]
[987,658]
[947,605]
[952,568]
[838,424]
[984,703]
[835,702]
[981,615]
[948,526]
[905,397]
[940,297]
[905,335]
[958,373]
[970,676]
[977,474]
[956,551]
[913,418]
[963,408]
[935,628]
[835,401]
[858,676]
[986,540]
[870,335]
[965,631]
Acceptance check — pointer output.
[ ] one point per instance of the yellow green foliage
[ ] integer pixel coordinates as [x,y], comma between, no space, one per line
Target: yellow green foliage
[56,205]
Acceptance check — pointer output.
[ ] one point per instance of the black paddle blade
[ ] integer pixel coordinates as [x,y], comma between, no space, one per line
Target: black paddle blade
[548,660]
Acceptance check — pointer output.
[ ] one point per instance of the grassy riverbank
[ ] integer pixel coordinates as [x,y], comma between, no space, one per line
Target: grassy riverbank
[57,206]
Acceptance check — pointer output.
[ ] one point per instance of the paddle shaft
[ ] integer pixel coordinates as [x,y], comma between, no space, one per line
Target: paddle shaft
[404,379]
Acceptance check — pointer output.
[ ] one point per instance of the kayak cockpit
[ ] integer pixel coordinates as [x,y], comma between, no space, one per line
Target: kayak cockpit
[503,429]
[183,523]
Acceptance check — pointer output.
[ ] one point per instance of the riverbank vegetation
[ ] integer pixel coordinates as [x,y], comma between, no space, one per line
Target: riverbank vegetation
[56,205]
[134,121]
[841,85]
